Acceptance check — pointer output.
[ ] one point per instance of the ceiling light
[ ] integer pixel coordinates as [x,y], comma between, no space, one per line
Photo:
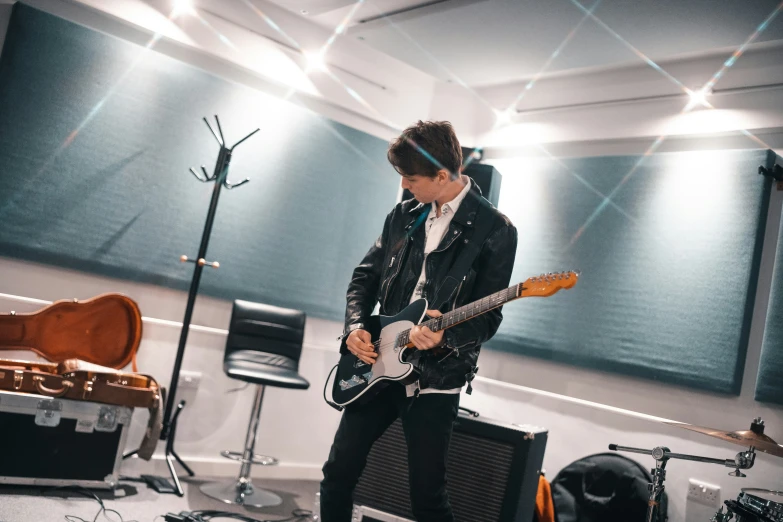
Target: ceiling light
[504,117]
[183,7]
[698,99]
[315,60]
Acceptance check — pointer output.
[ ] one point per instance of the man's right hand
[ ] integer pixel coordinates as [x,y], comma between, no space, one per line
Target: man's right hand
[359,343]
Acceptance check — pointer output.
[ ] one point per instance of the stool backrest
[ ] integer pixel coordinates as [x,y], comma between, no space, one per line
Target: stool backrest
[266,329]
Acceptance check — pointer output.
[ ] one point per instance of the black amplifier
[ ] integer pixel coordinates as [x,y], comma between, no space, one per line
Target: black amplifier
[492,471]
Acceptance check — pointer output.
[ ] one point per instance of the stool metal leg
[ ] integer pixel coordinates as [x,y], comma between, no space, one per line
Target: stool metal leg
[241,491]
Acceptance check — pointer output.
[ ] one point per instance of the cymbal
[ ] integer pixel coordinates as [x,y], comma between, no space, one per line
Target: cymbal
[753,437]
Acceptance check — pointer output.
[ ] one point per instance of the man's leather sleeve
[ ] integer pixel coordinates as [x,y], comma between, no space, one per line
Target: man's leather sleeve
[363,289]
[496,262]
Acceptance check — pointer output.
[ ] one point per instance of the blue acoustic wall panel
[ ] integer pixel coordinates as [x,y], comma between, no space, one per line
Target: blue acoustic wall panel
[769,385]
[96,138]
[669,247]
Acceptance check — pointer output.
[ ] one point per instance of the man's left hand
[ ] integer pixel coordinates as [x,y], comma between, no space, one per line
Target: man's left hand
[425,339]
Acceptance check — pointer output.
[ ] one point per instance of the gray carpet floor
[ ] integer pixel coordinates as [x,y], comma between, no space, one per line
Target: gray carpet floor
[135,501]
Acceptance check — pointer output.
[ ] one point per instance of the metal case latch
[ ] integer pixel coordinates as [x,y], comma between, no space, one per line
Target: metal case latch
[48,413]
[107,419]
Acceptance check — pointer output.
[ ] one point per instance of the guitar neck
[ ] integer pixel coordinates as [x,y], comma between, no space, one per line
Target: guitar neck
[467,312]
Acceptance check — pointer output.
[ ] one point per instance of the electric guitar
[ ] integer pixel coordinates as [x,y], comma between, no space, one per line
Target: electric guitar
[357,381]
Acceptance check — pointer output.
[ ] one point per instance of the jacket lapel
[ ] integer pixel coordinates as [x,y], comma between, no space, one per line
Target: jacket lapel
[464,218]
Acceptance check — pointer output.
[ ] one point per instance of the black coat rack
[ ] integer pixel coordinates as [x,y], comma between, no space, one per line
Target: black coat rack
[220,178]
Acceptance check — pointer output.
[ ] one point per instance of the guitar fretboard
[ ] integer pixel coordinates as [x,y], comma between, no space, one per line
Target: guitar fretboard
[464,313]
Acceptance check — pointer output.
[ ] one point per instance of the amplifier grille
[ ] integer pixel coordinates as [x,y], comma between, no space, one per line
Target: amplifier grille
[477,471]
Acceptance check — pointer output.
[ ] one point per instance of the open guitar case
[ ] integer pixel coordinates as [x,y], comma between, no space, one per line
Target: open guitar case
[67,418]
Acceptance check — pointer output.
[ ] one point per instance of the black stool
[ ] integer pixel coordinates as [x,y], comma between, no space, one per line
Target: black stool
[264,345]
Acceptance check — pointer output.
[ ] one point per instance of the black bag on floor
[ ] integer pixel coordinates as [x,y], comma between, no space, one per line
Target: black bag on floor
[606,487]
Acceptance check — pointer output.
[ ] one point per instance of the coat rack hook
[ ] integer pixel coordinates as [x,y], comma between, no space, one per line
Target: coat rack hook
[230,185]
[222,138]
[220,142]
[243,139]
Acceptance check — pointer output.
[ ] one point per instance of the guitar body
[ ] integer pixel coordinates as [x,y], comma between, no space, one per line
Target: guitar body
[104,330]
[359,382]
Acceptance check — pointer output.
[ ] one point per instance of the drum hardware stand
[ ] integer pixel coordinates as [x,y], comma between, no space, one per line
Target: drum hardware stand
[743,460]
[220,177]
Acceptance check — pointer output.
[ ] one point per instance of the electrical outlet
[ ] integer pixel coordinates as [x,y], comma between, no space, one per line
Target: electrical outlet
[704,493]
[189,380]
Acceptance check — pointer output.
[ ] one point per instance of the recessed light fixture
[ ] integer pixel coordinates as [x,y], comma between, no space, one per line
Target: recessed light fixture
[698,98]
[315,60]
[183,7]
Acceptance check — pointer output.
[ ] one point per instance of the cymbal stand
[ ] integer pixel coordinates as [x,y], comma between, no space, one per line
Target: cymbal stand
[743,460]
[220,179]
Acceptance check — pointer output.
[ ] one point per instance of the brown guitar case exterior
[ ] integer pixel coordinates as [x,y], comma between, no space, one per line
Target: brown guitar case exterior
[103,330]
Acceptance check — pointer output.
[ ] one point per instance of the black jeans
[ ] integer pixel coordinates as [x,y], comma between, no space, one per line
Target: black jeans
[427,422]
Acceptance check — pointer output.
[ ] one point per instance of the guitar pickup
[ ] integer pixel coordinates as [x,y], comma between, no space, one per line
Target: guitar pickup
[350,383]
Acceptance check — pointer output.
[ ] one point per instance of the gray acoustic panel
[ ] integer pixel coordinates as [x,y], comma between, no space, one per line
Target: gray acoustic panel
[96,138]
[669,247]
[769,385]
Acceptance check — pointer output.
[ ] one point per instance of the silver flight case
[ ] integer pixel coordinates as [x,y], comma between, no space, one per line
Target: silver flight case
[58,442]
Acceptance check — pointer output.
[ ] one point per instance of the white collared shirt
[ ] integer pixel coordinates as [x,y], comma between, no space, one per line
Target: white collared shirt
[435,229]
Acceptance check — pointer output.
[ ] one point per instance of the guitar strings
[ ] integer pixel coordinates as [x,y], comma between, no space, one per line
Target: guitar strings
[494,299]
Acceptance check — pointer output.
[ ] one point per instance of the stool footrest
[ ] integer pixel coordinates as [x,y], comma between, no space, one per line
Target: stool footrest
[262,460]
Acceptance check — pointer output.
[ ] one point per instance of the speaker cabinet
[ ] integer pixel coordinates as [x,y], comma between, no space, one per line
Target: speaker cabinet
[492,472]
[486,177]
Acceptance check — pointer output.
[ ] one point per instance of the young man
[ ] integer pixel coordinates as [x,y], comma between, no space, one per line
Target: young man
[422,238]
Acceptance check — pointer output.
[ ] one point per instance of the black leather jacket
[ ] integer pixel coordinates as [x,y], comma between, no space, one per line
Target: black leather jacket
[391,268]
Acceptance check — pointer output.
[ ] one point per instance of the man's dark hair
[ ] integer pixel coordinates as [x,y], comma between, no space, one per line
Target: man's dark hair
[425,148]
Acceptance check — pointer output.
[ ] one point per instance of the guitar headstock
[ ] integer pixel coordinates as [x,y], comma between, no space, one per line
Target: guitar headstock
[548,284]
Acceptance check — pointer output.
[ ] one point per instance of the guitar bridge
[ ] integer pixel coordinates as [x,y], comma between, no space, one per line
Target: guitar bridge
[350,383]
